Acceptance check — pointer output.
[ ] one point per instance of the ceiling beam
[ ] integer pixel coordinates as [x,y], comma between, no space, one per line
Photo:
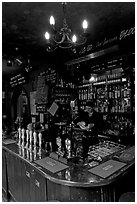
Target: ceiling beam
[93,55]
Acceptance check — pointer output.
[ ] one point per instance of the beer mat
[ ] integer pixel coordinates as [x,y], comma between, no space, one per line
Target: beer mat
[8,141]
[51,164]
[107,168]
[128,154]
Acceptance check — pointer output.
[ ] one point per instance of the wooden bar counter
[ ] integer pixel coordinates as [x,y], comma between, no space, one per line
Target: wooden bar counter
[24,180]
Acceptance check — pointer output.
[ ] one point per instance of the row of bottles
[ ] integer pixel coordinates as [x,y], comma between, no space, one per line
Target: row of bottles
[111,64]
[112,94]
[64,84]
[113,106]
[113,76]
[102,106]
[119,124]
[62,100]
[104,91]
[110,78]
[108,98]
[83,94]
[64,91]
[119,91]
[62,95]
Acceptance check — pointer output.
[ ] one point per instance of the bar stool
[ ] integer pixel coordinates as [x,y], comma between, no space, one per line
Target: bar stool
[127,197]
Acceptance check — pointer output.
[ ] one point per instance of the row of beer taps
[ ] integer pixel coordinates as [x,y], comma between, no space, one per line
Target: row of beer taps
[27,139]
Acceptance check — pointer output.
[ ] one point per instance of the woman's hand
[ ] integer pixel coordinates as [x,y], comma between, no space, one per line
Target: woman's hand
[90,126]
[82,125]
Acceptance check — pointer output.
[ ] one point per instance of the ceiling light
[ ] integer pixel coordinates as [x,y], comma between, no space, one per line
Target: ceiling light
[18,61]
[93,78]
[64,38]
[9,63]
[28,66]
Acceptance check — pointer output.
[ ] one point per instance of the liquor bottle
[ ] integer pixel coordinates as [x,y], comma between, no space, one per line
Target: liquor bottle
[125,91]
[115,95]
[79,94]
[58,142]
[118,91]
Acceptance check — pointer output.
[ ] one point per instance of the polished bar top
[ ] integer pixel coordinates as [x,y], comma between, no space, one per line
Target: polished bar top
[76,174]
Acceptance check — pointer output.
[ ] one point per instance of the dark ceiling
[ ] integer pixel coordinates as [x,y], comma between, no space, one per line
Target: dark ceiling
[24,23]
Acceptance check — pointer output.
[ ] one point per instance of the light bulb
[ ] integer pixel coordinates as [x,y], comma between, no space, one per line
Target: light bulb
[52,21]
[74,38]
[85,25]
[92,79]
[47,36]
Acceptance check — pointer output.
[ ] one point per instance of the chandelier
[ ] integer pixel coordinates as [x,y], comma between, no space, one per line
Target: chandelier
[64,38]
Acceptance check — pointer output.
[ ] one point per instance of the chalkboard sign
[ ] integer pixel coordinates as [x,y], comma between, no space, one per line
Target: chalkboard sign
[41,108]
[42,90]
[51,76]
[17,80]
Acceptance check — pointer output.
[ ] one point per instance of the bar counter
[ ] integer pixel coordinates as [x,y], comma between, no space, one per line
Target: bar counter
[74,183]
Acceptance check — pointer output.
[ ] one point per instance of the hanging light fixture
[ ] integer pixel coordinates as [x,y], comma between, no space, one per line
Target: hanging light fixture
[64,38]
[28,66]
[93,78]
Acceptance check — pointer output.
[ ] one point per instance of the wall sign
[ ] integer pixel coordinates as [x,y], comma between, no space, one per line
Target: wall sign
[32,102]
[42,90]
[126,33]
[17,80]
[108,42]
[51,76]
[41,108]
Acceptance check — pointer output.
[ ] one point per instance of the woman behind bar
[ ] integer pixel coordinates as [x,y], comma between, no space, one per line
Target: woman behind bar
[91,123]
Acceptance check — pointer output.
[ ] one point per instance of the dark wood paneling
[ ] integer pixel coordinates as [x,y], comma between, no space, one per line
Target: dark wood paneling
[10,170]
[85,194]
[40,187]
[58,192]
[18,179]
[125,184]
[25,183]
[26,176]
[4,174]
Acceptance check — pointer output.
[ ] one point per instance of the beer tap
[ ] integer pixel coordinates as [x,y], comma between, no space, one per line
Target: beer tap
[27,154]
[23,136]
[68,142]
[68,148]
[39,153]
[27,138]
[23,152]
[35,154]
[30,140]
[31,156]
[40,139]
[40,143]
[20,150]
[19,133]
[35,138]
